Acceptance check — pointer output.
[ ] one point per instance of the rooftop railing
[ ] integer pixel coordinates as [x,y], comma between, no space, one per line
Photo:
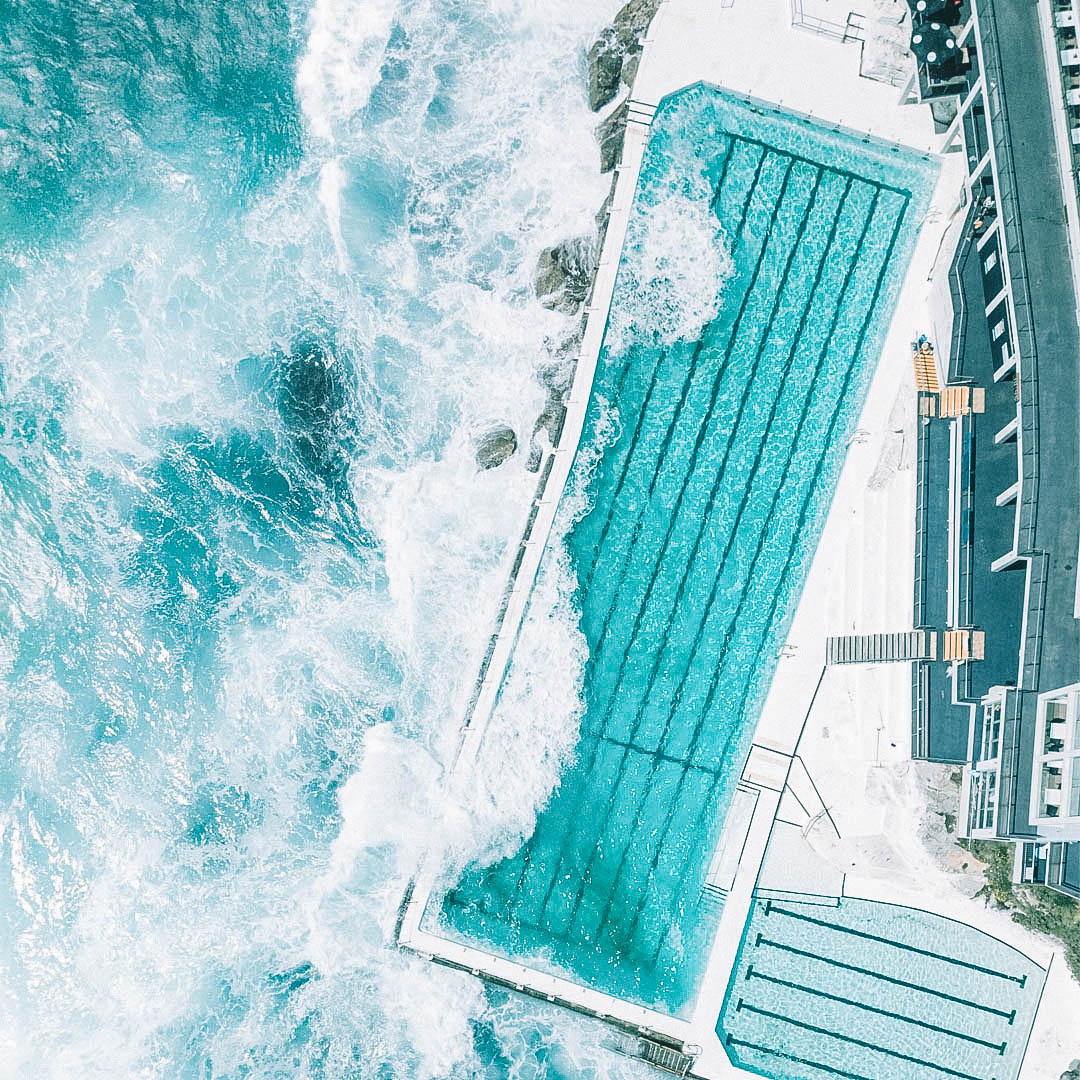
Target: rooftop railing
[851,29]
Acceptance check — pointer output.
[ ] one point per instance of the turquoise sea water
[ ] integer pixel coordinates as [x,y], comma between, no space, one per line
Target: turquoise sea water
[709,460]
[266,273]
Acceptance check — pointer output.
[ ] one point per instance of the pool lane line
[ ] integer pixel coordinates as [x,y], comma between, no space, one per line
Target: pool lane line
[767,236]
[731,1040]
[762,940]
[767,335]
[796,533]
[855,1041]
[998,1047]
[704,429]
[661,458]
[696,450]
[598,546]
[850,262]
[711,421]
[699,838]
[718,187]
[697,349]
[714,681]
[1020,980]
[811,487]
[837,214]
[904,192]
[707,426]
[815,480]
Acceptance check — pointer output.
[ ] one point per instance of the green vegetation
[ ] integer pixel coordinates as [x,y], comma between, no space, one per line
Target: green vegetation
[1034,906]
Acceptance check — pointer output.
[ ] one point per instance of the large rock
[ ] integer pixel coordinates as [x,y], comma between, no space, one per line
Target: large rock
[610,134]
[613,56]
[564,274]
[605,60]
[632,23]
[495,446]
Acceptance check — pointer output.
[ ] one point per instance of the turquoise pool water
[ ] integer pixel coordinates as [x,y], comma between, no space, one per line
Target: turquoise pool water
[705,508]
[872,991]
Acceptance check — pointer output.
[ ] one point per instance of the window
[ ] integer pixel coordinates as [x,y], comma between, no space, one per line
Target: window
[1054,727]
[983,800]
[990,262]
[1050,790]
[999,329]
[991,733]
[1056,795]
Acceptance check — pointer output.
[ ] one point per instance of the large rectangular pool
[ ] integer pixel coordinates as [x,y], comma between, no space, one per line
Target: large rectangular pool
[719,416]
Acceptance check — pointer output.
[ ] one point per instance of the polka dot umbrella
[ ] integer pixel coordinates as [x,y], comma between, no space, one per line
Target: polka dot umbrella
[933,43]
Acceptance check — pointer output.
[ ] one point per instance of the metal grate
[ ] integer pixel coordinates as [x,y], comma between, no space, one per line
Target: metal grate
[664,1057]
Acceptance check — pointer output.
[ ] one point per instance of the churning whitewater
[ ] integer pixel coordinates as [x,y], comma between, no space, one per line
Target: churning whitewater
[267,277]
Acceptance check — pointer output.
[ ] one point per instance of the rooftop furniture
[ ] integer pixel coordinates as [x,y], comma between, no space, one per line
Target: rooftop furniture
[926,373]
[961,645]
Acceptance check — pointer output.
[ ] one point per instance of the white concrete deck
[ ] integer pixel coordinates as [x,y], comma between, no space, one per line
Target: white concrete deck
[750,48]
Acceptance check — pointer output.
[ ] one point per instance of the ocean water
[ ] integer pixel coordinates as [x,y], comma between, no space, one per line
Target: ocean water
[266,275]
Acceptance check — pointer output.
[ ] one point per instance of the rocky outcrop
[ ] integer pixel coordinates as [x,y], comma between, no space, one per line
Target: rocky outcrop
[495,446]
[557,379]
[613,58]
[564,274]
[610,134]
[605,69]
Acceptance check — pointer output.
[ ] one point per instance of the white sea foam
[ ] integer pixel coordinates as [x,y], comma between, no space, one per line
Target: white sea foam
[344,669]
[331,181]
[671,281]
[531,737]
[341,64]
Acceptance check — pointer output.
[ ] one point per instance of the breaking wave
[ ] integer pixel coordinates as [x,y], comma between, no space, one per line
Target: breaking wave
[269,267]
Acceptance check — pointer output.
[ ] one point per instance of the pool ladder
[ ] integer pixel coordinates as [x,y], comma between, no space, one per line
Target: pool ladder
[665,1057]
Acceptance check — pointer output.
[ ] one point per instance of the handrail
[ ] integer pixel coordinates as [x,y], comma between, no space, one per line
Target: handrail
[851,30]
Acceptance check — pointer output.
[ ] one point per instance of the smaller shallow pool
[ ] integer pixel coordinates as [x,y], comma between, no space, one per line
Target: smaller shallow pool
[869,991]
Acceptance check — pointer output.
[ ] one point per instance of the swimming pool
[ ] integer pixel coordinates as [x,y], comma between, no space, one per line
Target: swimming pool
[729,419]
[871,991]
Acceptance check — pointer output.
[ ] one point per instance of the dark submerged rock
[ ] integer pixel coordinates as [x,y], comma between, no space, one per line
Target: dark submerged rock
[314,395]
[495,446]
